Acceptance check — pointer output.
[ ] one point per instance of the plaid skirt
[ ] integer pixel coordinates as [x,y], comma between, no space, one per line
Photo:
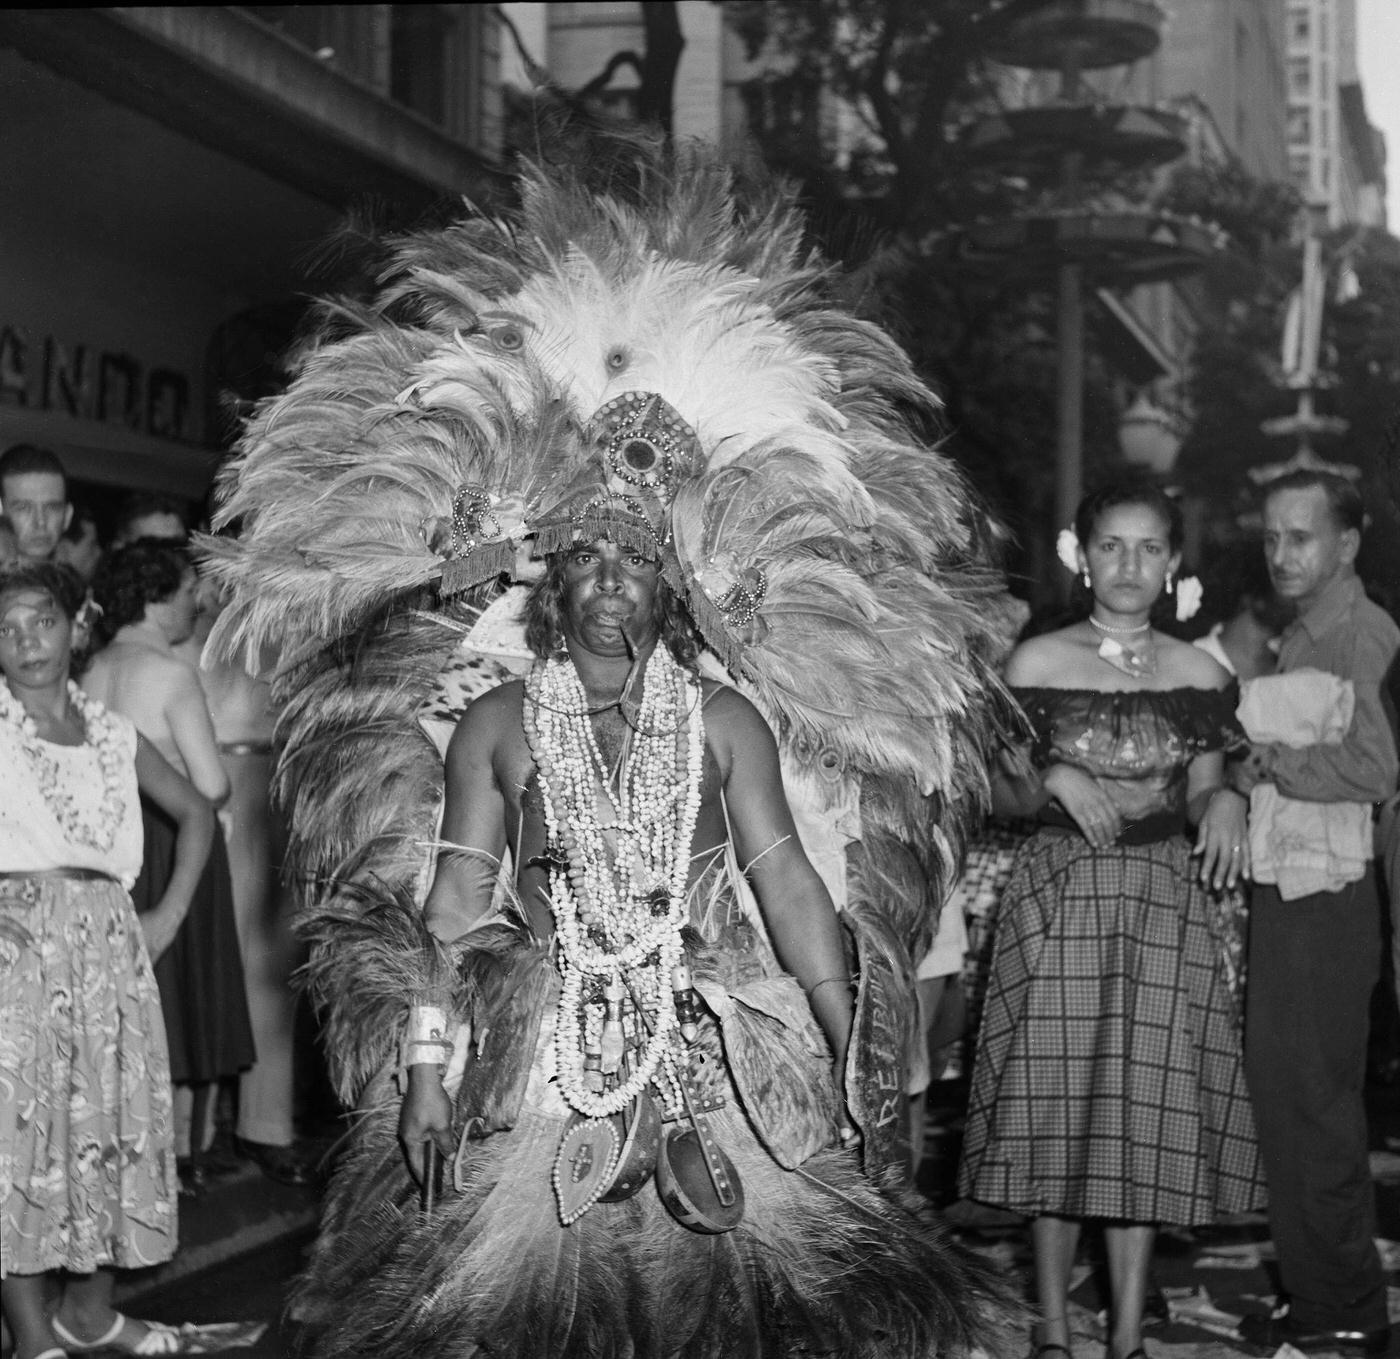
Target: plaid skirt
[1109,1080]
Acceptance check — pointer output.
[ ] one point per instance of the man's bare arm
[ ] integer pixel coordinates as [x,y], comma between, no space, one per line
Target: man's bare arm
[473,835]
[473,840]
[797,908]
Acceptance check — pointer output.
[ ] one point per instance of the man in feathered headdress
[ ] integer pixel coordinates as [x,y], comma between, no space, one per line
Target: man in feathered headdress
[648,386]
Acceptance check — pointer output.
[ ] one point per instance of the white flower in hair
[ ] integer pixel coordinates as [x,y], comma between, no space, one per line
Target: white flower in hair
[1189,593]
[1067,550]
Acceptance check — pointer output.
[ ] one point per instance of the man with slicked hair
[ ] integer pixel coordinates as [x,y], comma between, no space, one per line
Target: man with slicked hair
[1315,931]
[34,498]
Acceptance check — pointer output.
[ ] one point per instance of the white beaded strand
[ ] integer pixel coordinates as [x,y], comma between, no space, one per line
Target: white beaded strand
[103,735]
[603,901]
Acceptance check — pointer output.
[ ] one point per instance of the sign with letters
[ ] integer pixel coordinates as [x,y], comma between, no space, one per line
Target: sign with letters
[87,383]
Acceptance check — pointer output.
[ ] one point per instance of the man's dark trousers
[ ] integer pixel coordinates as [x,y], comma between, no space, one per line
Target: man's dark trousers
[1313,964]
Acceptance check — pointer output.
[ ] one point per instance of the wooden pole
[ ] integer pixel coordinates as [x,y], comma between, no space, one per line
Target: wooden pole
[1069,363]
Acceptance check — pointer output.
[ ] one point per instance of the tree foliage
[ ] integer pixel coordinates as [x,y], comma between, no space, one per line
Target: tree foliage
[913,72]
[904,78]
[906,72]
[1235,382]
[912,75]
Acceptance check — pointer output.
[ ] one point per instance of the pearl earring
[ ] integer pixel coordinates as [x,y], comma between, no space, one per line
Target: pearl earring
[1170,582]
[1088,584]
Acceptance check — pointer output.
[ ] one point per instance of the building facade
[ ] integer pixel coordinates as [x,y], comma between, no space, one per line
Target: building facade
[1336,158]
[171,174]
[1221,64]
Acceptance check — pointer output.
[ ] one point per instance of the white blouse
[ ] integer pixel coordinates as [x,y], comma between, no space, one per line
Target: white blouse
[33,838]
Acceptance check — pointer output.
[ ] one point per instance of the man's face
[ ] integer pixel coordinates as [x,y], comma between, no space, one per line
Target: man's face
[36,503]
[609,591]
[1304,546]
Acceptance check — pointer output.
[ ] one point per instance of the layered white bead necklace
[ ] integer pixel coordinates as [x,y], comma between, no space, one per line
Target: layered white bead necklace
[620,902]
[99,732]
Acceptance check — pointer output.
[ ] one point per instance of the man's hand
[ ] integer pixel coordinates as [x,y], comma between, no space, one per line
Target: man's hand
[1222,840]
[426,1114]
[1084,799]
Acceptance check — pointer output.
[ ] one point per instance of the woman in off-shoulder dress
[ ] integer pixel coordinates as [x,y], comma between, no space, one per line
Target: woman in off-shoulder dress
[1108,1084]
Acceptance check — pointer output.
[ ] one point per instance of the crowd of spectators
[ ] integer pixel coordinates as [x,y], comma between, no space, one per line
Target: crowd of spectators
[1154,871]
[225,981]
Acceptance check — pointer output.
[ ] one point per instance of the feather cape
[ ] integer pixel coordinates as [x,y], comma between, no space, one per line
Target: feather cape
[464,408]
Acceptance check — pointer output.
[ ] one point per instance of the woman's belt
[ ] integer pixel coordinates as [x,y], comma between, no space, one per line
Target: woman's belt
[73,874]
[1150,830]
[245,747]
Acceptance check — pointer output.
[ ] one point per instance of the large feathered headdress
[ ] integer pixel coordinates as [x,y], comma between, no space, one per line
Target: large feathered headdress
[657,357]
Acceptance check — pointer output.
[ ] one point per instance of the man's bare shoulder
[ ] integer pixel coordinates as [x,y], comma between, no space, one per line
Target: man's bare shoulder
[730,716]
[491,719]
[503,704]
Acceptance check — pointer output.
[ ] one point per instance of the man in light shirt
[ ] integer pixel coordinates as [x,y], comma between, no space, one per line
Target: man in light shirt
[1315,945]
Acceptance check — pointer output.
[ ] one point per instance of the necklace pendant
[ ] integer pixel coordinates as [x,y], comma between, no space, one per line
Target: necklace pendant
[1129,662]
[612,1042]
[593,1068]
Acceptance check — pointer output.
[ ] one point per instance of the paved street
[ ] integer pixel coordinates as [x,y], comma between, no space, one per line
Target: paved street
[1207,1278]
[252,1287]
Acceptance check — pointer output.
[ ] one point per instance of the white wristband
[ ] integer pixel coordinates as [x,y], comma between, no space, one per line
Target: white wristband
[427,1024]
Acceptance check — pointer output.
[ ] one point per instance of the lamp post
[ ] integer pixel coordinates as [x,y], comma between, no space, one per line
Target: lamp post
[1300,361]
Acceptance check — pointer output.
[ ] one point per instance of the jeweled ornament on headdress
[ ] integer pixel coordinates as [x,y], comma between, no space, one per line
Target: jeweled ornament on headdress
[618,518]
[647,443]
[486,530]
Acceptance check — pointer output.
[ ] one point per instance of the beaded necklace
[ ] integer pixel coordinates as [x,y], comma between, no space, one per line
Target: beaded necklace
[100,732]
[619,901]
[1119,632]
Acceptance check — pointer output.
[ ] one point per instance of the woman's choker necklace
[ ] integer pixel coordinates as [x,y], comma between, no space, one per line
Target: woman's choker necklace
[1119,632]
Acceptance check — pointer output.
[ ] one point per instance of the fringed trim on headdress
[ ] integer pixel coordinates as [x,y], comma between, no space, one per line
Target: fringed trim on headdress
[710,621]
[591,524]
[484,562]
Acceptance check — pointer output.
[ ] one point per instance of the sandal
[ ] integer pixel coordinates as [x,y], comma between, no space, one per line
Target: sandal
[1050,1347]
[53,1352]
[159,1338]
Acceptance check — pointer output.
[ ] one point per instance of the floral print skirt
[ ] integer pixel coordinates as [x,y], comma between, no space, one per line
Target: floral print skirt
[87,1162]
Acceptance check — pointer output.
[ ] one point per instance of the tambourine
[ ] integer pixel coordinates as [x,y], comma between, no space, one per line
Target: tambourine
[606,1160]
[640,1127]
[697,1181]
